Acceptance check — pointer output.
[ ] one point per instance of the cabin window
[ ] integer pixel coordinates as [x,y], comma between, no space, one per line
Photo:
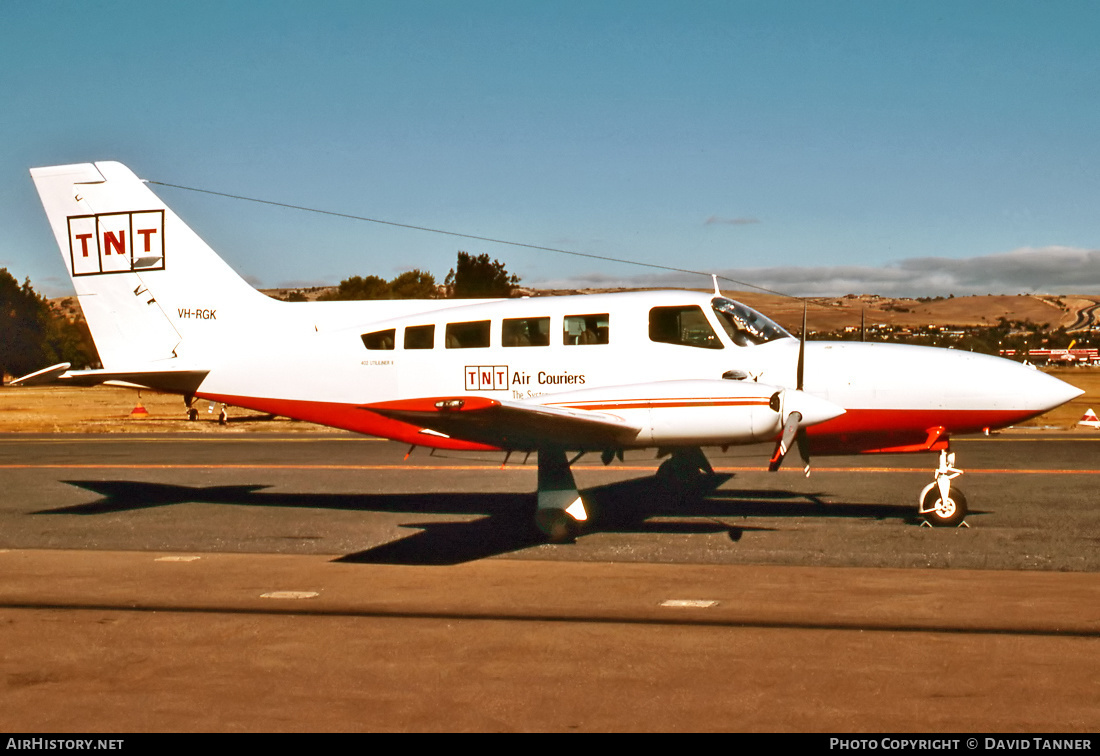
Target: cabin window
[686,326]
[585,329]
[521,332]
[468,335]
[420,337]
[380,339]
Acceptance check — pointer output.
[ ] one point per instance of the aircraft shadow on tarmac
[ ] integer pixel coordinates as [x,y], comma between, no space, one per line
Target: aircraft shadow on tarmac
[507,523]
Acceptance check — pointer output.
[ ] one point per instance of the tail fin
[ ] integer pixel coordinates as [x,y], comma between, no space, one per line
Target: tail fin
[151,289]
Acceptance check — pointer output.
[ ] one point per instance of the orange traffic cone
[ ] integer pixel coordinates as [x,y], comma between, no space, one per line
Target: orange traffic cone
[1089,419]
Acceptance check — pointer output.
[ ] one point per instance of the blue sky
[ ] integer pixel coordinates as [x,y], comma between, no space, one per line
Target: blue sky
[814,147]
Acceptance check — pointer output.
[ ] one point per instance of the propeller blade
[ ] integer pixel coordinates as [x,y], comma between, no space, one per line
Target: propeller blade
[805,410]
[800,436]
[790,432]
[801,351]
[804,450]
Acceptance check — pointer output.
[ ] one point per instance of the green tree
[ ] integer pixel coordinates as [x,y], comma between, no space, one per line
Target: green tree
[23,317]
[412,284]
[479,278]
[33,336]
[371,287]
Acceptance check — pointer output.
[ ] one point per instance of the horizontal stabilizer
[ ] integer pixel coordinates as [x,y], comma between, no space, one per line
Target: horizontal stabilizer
[171,381]
[43,376]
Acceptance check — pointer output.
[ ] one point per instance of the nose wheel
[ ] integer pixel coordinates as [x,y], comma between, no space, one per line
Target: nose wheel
[940,505]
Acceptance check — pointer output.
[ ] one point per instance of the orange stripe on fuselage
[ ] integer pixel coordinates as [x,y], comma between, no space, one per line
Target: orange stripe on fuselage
[661,403]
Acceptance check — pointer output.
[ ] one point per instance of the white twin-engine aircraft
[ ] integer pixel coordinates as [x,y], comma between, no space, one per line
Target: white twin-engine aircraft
[671,370]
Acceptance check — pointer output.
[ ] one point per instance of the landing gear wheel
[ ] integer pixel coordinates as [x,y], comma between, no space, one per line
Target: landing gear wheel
[670,471]
[943,513]
[192,414]
[679,473]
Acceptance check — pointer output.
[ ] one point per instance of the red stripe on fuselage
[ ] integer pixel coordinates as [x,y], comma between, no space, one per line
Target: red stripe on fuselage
[856,431]
[871,430]
[348,417]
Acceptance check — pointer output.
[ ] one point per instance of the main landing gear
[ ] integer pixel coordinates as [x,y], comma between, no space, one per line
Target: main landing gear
[561,511]
[939,504]
[193,414]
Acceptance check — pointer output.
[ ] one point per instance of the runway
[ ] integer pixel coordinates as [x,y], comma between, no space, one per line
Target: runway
[256,583]
[1032,499]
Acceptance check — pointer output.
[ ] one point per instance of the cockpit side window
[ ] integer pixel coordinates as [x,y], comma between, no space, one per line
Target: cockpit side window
[744,325]
[686,326]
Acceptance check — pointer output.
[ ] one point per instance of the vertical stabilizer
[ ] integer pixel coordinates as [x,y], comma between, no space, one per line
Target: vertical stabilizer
[150,288]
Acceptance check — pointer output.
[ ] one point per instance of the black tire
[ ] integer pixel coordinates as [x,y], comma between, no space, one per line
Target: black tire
[677,472]
[940,514]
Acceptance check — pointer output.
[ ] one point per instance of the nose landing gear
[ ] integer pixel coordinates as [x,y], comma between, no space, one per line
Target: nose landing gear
[939,504]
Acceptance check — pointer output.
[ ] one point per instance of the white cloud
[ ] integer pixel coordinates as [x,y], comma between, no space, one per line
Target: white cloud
[1047,270]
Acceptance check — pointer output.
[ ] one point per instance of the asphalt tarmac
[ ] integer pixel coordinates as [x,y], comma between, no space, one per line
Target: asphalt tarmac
[317,583]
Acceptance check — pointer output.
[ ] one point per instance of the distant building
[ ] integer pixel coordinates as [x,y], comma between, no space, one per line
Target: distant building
[1059,356]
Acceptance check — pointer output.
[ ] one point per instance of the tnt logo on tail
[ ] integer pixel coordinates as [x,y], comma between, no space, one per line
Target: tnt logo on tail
[116,242]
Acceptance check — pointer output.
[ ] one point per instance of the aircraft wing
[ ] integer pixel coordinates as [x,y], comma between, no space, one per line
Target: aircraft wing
[510,425]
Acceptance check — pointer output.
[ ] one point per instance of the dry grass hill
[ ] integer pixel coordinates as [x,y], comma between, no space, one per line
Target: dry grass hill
[834,313]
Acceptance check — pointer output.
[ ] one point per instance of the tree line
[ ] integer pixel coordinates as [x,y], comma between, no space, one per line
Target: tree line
[471,278]
[33,335]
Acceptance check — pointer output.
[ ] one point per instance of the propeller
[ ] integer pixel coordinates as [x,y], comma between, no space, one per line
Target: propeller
[794,430]
[790,434]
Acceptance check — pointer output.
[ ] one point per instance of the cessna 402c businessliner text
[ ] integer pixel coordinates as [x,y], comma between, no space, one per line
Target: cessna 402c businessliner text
[671,370]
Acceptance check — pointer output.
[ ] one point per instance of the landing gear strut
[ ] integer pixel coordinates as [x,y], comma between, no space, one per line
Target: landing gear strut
[939,504]
[560,510]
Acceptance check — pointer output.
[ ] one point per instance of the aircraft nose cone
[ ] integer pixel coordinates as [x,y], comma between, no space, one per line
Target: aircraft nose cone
[1050,392]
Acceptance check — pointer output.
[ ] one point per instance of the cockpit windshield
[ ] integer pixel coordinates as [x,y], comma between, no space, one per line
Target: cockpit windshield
[744,325]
